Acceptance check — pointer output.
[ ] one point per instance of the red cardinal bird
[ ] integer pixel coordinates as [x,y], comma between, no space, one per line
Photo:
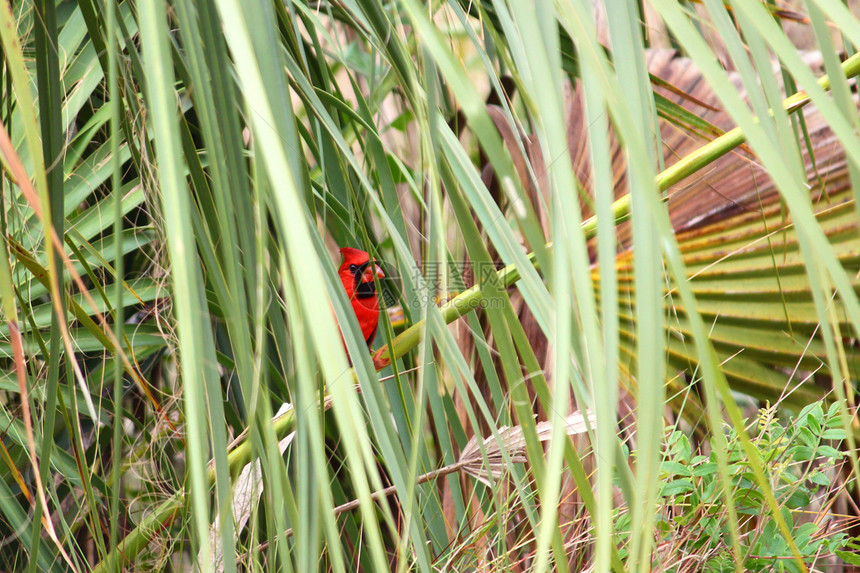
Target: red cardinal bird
[357,274]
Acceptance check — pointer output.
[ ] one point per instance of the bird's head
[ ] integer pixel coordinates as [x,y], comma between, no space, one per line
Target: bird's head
[357,273]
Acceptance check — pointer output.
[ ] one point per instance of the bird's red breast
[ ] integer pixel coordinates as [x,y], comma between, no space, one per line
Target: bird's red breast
[357,274]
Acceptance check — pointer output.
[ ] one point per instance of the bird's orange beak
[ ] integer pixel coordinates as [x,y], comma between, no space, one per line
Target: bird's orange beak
[369,272]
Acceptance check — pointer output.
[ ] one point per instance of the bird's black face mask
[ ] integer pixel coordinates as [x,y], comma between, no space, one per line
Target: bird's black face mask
[362,290]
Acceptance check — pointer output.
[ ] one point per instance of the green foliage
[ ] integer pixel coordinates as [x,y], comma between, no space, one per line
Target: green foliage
[801,459]
[177,176]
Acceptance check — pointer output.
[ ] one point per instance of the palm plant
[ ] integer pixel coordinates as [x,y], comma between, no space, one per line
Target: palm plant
[648,239]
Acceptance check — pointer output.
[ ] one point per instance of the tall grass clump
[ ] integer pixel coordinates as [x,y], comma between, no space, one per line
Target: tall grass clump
[622,263]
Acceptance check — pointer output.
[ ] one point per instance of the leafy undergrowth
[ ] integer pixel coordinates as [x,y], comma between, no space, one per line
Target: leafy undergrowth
[803,465]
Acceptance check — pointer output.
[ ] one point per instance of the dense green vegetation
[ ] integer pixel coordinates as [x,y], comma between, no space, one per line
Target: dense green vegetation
[622,262]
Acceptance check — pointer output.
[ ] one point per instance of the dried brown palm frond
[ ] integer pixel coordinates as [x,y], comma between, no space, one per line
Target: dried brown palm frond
[485,460]
[738,243]
[732,194]
[733,184]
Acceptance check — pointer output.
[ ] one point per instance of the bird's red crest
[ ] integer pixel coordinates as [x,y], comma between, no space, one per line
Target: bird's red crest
[354,256]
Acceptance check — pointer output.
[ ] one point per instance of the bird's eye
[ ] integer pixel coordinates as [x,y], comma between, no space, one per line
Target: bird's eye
[353,268]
